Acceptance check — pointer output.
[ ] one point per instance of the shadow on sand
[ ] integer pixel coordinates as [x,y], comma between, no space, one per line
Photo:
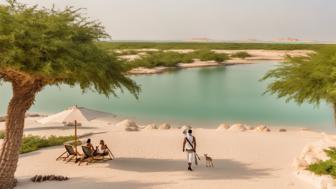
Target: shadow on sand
[224,168]
[86,183]
[63,128]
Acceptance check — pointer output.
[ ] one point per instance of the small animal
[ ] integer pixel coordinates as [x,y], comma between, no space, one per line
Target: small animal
[208,161]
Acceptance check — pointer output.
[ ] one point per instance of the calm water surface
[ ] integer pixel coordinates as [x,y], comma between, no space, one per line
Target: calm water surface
[198,96]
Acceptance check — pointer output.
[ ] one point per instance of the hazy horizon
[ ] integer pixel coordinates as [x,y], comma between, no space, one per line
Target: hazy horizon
[219,20]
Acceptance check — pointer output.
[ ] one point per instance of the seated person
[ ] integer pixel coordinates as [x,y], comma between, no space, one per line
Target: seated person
[89,145]
[102,148]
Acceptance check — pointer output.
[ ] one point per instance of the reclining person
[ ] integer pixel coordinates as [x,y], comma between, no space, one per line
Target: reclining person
[101,149]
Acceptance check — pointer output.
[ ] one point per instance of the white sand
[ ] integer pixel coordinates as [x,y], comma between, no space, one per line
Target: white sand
[143,70]
[154,159]
[268,54]
[198,63]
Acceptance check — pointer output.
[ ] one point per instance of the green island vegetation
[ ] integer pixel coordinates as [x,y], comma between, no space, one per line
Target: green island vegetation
[241,54]
[160,58]
[209,45]
[171,59]
[32,143]
[327,167]
[202,51]
[208,55]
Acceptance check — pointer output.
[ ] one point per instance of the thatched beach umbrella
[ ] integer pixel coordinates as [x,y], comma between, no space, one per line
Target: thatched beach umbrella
[75,115]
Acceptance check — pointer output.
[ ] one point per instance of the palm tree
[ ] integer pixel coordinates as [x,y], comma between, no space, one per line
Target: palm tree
[308,79]
[41,47]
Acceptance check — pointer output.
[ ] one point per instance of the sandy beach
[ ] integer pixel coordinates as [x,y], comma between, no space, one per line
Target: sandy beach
[243,160]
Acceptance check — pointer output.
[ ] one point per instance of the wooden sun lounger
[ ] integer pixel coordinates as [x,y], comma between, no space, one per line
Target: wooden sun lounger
[90,157]
[69,153]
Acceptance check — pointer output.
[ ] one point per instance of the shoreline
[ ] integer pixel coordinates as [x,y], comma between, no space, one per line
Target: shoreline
[256,56]
[197,124]
[31,121]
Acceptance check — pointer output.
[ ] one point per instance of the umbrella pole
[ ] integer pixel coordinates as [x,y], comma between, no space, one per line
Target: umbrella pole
[76,139]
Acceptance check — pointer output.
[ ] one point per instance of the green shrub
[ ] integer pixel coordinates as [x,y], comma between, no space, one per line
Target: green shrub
[32,143]
[327,167]
[128,52]
[241,54]
[2,134]
[208,55]
[331,152]
[154,59]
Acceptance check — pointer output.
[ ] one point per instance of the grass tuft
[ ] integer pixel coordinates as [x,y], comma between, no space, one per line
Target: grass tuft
[327,167]
[32,143]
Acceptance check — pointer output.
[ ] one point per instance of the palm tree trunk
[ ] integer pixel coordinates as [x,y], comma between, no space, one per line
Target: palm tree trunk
[23,98]
[334,111]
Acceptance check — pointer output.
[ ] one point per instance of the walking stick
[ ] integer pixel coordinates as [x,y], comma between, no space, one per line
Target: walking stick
[196,157]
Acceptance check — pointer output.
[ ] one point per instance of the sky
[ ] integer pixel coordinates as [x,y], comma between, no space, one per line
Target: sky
[221,20]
